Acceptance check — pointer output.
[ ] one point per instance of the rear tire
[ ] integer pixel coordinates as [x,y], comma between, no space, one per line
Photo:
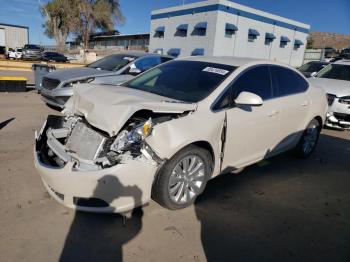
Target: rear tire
[308,140]
[183,178]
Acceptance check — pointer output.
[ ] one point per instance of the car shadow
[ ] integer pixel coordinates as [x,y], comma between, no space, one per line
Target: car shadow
[5,123]
[100,237]
[281,209]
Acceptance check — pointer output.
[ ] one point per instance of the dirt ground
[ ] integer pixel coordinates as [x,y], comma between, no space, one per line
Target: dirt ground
[283,209]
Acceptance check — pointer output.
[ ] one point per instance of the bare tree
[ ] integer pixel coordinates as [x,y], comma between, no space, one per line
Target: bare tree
[96,15]
[60,16]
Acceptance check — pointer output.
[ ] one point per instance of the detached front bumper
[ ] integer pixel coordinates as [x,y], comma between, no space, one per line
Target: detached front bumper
[117,189]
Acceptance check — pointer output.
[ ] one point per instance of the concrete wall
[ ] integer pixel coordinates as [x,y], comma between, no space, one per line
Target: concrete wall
[15,36]
[219,12]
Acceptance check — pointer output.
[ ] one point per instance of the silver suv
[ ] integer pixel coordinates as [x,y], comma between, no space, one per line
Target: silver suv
[31,52]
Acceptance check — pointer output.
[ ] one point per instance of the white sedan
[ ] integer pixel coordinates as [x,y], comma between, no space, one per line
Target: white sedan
[165,133]
[335,80]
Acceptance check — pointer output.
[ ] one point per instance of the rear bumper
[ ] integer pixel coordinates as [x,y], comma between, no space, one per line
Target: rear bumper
[117,189]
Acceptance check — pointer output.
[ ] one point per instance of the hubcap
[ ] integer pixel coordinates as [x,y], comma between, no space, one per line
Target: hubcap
[186,179]
[310,138]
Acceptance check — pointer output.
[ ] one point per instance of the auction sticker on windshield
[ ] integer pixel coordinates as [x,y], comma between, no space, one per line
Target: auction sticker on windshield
[215,70]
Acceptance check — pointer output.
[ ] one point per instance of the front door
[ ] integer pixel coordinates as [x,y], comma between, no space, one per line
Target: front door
[252,131]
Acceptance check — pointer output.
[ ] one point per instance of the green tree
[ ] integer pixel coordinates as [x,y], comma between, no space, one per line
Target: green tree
[96,15]
[310,43]
[60,18]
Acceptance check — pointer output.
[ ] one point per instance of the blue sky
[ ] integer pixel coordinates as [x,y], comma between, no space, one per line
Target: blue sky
[322,15]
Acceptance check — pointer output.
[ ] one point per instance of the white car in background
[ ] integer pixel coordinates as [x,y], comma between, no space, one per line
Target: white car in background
[14,53]
[335,80]
[168,131]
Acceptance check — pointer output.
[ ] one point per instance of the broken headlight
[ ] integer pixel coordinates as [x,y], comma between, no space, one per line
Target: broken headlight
[135,136]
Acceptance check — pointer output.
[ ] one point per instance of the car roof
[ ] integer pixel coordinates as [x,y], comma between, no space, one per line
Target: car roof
[318,62]
[139,54]
[342,62]
[227,60]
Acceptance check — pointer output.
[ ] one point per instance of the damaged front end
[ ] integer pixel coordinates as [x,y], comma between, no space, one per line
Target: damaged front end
[73,139]
[74,159]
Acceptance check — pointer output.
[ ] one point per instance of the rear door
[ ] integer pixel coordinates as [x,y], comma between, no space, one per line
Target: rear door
[252,131]
[290,88]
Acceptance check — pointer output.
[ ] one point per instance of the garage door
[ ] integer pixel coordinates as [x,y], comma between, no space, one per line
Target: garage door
[2,37]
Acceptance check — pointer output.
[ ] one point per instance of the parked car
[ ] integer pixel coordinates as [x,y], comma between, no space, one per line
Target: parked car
[31,52]
[54,57]
[14,53]
[335,80]
[168,131]
[57,87]
[311,68]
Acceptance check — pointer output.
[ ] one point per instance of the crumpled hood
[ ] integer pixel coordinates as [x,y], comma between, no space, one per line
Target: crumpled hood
[77,73]
[339,88]
[109,107]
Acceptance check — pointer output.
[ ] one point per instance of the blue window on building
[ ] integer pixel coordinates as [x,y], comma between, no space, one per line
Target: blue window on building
[159,32]
[269,37]
[252,35]
[297,44]
[230,30]
[200,29]
[284,41]
[174,52]
[181,30]
[198,52]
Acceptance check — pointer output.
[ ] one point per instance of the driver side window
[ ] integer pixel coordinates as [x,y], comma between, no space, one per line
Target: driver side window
[256,80]
[147,63]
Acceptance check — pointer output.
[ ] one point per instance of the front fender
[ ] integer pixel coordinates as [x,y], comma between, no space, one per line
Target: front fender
[170,137]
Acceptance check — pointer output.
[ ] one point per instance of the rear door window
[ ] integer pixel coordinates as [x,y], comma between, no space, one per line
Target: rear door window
[287,82]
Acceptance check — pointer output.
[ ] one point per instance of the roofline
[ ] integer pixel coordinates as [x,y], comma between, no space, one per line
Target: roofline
[228,6]
[105,36]
[12,25]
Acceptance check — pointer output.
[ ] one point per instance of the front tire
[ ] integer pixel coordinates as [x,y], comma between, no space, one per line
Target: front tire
[308,140]
[183,178]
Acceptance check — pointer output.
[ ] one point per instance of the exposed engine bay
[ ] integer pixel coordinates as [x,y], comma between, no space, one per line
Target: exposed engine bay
[72,139]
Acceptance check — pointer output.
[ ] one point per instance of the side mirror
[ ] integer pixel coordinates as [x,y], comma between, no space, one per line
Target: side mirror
[313,74]
[247,98]
[134,70]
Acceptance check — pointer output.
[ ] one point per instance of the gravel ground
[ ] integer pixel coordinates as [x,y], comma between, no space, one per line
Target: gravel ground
[283,209]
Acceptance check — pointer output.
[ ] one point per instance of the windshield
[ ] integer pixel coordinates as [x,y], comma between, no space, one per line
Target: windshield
[188,81]
[35,47]
[335,71]
[112,62]
[312,67]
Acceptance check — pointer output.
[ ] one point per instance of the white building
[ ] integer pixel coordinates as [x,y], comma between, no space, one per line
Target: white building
[224,28]
[13,36]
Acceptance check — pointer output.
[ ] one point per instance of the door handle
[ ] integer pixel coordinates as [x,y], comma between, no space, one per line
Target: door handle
[305,103]
[272,113]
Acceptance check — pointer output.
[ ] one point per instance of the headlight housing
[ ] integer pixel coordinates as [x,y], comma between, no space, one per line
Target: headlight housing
[135,136]
[345,100]
[71,84]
